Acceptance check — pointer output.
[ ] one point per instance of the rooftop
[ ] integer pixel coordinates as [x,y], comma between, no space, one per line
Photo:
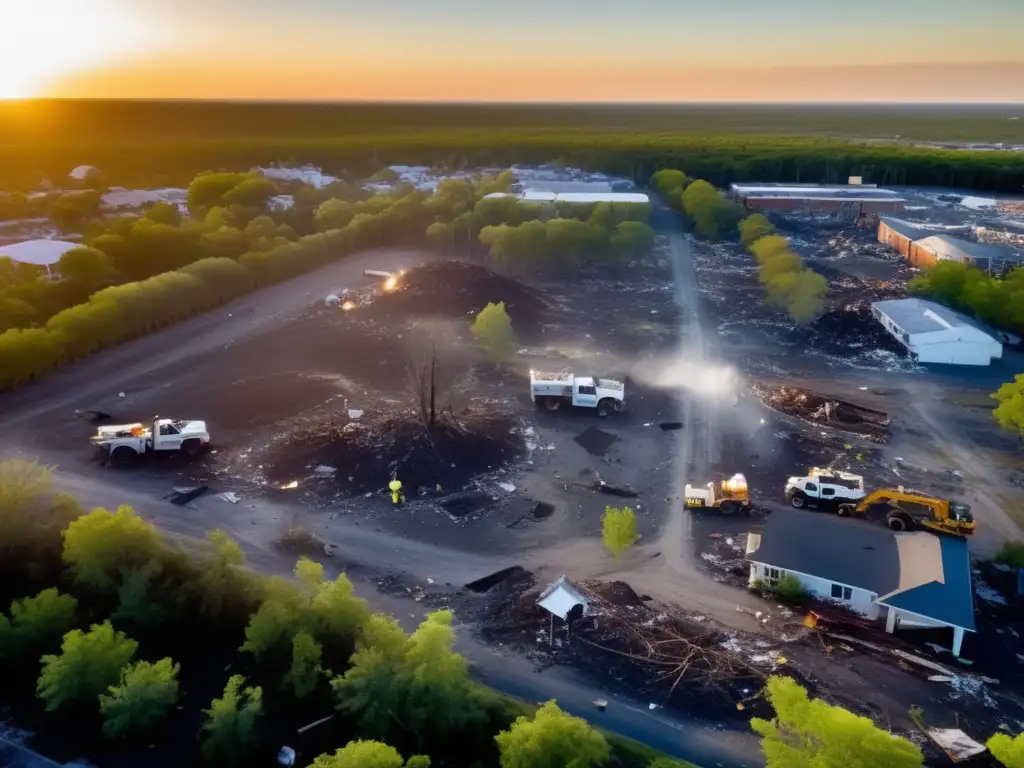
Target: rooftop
[908,230]
[917,316]
[539,195]
[816,192]
[42,253]
[920,572]
[955,249]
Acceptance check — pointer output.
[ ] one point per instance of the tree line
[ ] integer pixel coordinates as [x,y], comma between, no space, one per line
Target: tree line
[103,612]
[789,284]
[102,616]
[138,275]
[719,158]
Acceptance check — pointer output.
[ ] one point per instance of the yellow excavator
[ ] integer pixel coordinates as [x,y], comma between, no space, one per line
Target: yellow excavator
[908,509]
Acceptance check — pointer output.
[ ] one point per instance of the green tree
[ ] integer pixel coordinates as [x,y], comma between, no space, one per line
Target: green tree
[1011,554]
[221,579]
[163,212]
[632,239]
[753,228]
[143,697]
[229,736]
[618,529]
[808,731]
[36,623]
[89,663]
[492,329]
[368,754]
[88,266]
[1010,411]
[551,739]
[100,545]
[790,589]
[305,672]
[251,193]
[1008,750]
[416,684]
[16,313]
[208,190]
[144,598]
[26,353]
[670,183]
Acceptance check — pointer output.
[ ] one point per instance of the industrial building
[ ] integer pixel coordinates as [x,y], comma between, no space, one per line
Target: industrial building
[853,199]
[923,247]
[933,333]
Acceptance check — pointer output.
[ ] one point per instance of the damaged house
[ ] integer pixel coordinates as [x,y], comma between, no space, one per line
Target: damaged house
[916,580]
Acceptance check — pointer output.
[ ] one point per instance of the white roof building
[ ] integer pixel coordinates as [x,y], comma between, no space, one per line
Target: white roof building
[936,334]
[42,253]
[544,196]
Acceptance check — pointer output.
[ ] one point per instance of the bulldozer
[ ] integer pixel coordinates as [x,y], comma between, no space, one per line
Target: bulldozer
[730,496]
[909,509]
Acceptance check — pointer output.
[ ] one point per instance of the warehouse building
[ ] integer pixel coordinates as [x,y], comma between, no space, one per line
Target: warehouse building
[933,333]
[996,259]
[899,235]
[853,199]
[544,196]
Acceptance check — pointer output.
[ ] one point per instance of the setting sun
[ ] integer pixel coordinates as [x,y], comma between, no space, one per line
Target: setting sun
[50,38]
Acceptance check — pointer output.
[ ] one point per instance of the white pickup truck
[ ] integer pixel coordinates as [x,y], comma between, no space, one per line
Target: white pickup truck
[126,441]
[550,391]
[825,489]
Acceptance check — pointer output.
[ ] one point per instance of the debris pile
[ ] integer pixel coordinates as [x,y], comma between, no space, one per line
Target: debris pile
[455,289]
[826,411]
[354,456]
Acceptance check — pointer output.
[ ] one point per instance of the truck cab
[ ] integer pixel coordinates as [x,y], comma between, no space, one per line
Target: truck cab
[124,441]
[550,391]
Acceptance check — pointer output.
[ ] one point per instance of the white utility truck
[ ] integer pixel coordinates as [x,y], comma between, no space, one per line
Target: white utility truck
[126,441]
[825,488]
[550,391]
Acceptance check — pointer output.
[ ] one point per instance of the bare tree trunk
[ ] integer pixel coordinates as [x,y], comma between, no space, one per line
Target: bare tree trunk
[433,381]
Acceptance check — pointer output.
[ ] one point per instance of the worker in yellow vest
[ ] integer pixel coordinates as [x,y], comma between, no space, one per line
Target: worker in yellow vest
[397,497]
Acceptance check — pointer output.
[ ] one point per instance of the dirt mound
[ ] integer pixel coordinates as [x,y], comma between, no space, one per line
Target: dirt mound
[615,592]
[827,411]
[455,288]
[363,455]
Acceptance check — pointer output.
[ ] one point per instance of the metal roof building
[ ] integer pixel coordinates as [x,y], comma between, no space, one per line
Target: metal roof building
[545,196]
[933,333]
[816,198]
[916,580]
[990,258]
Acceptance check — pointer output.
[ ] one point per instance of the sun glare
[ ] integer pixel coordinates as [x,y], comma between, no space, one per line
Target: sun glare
[49,39]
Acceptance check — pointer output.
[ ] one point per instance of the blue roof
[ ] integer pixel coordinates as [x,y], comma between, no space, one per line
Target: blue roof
[951,602]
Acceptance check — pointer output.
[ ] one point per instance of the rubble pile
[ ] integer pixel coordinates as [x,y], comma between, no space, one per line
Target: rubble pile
[826,411]
[360,455]
[456,289]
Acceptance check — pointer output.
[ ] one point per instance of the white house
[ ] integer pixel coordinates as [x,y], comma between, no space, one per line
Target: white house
[936,334]
[42,253]
[913,580]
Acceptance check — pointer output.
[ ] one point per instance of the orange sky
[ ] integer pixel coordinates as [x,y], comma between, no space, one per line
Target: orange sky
[531,50]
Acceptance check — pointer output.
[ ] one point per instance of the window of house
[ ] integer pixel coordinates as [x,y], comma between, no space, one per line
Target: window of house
[774,574]
[839,592]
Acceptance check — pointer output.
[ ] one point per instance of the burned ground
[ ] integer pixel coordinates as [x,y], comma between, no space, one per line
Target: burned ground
[826,411]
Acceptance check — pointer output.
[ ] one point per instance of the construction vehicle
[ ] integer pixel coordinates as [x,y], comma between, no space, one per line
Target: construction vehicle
[550,391]
[826,489]
[909,509]
[123,442]
[730,496]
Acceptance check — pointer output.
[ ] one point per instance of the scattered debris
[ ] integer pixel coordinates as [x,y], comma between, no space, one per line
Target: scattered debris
[670,426]
[323,471]
[956,744]
[822,410]
[182,498]
[229,496]
[560,598]
[354,413]
[489,582]
[509,487]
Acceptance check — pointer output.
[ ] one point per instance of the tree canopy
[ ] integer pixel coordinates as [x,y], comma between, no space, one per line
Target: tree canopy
[551,739]
[100,545]
[618,529]
[492,329]
[36,623]
[368,754]
[89,663]
[144,696]
[810,732]
[229,735]
[1008,750]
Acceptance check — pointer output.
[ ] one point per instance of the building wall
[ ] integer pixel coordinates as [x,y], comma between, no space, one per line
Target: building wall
[920,256]
[861,601]
[958,352]
[815,205]
[898,242]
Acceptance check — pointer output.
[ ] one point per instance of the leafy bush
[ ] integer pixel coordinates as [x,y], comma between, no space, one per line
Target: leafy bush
[1011,554]
[551,739]
[492,329]
[618,529]
[229,735]
[789,589]
[89,663]
[143,697]
[36,623]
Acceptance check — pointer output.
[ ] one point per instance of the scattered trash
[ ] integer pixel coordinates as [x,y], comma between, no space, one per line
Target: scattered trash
[323,471]
[987,593]
[354,413]
[670,426]
[957,745]
[652,706]
[624,492]
[94,416]
[120,394]
[332,300]
[229,496]
[601,704]
[507,487]
[286,756]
